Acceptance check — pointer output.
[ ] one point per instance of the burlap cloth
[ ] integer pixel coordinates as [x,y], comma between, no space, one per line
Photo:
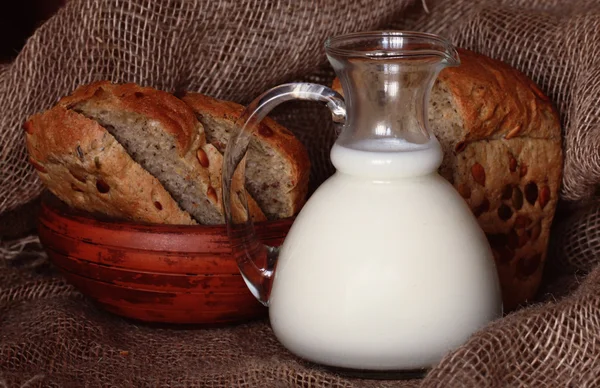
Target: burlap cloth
[52,336]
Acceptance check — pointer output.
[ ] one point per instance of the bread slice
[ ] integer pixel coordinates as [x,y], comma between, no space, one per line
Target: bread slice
[502,151]
[277,164]
[160,133]
[84,166]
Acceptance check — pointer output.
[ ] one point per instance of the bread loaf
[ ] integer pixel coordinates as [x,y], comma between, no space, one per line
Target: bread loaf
[502,143]
[277,164]
[159,133]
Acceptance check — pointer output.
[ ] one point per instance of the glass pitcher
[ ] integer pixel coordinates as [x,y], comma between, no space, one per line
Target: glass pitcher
[385,268]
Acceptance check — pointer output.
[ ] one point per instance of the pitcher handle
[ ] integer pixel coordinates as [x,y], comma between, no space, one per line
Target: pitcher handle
[246,246]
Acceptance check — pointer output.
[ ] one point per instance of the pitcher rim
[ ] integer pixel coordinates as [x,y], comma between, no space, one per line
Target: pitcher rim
[440,47]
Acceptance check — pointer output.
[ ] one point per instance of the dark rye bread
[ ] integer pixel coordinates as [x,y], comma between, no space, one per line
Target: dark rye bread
[277,164]
[160,133]
[502,151]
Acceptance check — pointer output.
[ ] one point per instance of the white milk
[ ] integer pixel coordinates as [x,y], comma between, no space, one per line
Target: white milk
[385,267]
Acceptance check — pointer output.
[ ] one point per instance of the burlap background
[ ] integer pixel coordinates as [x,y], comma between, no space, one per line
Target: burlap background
[51,336]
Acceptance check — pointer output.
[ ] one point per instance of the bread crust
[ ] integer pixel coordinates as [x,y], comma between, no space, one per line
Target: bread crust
[176,118]
[497,101]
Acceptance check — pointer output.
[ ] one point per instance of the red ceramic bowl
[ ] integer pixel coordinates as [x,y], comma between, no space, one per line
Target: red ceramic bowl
[153,273]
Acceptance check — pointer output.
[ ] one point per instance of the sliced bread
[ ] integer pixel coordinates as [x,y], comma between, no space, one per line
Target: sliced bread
[163,136]
[277,164]
[83,165]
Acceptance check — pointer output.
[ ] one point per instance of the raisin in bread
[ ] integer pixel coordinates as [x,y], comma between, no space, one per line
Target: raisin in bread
[502,151]
[149,129]
[277,164]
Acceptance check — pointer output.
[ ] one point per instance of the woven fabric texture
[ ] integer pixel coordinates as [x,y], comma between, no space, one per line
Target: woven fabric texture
[51,336]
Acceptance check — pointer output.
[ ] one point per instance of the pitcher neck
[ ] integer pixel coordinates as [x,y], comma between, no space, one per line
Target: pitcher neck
[386,79]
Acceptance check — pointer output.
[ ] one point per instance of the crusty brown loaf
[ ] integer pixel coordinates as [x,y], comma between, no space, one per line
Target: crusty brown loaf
[159,132]
[502,143]
[277,164]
